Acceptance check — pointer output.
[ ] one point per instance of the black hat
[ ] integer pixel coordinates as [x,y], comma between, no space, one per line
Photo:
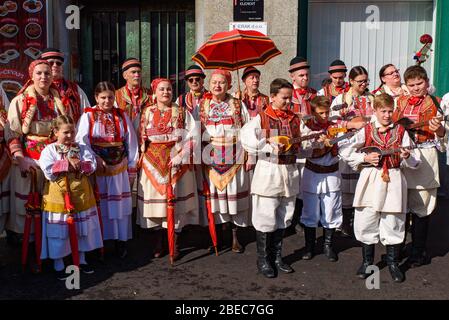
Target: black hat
[337,66]
[249,70]
[131,62]
[194,70]
[52,53]
[298,63]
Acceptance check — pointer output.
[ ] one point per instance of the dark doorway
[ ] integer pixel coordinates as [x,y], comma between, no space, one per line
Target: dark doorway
[161,35]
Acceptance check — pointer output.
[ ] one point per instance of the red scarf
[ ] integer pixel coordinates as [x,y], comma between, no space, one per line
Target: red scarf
[301,91]
[279,114]
[415,101]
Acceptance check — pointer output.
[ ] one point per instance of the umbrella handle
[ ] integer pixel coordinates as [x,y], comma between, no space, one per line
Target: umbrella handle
[238,76]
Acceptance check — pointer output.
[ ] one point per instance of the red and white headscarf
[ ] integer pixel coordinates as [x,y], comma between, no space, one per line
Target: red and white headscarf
[31,68]
[33,65]
[156,82]
[226,74]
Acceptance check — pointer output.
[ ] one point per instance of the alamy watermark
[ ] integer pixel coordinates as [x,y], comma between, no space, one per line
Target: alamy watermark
[72,282]
[372,21]
[373,280]
[72,22]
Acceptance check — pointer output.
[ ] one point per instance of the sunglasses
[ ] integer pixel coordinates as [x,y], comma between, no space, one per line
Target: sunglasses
[56,62]
[196,79]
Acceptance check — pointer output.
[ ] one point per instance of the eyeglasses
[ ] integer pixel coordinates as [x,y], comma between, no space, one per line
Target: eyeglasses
[391,73]
[196,79]
[56,62]
[359,82]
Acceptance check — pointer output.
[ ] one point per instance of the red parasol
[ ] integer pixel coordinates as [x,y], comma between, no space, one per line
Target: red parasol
[70,209]
[170,218]
[33,210]
[231,50]
[210,215]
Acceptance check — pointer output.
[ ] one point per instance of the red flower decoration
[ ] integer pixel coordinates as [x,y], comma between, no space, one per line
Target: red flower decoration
[30,101]
[208,95]
[65,101]
[425,39]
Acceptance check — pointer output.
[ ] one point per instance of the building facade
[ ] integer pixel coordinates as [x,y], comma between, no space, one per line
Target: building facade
[165,34]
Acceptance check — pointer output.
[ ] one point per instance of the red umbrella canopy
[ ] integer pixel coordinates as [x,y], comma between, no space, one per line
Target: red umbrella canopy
[232,50]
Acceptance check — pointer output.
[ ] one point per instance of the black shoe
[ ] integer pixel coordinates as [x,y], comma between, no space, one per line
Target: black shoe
[263,253]
[393,252]
[368,259]
[418,256]
[276,244]
[121,249]
[310,238]
[328,250]
[282,266]
[13,239]
[61,275]
[87,269]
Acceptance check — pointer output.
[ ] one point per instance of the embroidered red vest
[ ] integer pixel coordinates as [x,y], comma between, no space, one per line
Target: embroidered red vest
[270,123]
[301,103]
[257,106]
[331,92]
[186,100]
[391,140]
[426,111]
[318,153]
[68,91]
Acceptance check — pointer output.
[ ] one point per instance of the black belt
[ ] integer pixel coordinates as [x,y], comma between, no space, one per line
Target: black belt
[321,169]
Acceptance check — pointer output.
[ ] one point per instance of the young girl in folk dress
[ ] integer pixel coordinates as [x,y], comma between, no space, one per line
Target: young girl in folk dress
[66,161]
[108,131]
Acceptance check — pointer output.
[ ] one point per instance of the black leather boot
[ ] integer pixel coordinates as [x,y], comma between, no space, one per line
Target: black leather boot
[276,242]
[393,252]
[310,237]
[327,250]
[420,226]
[263,254]
[347,227]
[368,259]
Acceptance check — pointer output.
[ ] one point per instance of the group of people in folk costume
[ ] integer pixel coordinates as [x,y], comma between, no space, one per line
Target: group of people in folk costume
[340,158]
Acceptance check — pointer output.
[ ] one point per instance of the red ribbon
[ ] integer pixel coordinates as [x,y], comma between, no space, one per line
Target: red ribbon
[68,205]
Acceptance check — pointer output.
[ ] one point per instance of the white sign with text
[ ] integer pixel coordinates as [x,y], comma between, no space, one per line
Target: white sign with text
[256,26]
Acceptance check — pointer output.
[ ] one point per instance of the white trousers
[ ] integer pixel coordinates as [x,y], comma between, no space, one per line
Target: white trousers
[371,226]
[272,213]
[324,208]
[422,202]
